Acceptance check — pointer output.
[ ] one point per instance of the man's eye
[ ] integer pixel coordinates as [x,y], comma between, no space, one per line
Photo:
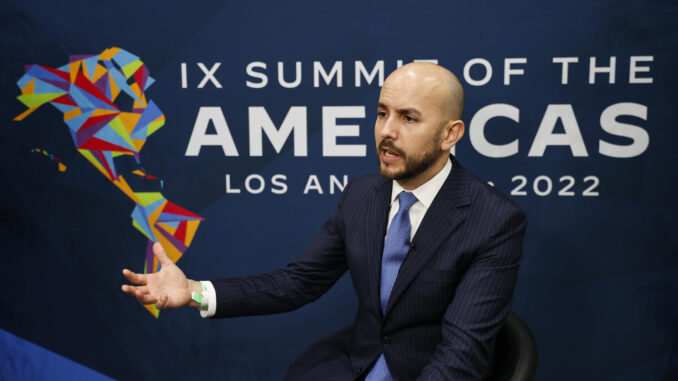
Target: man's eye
[381,114]
[410,119]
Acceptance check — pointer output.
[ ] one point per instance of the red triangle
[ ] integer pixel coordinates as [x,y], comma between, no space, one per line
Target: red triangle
[64,100]
[180,234]
[101,145]
[139,77]
[82,82]
[176,209]
[92,120]
[65,75]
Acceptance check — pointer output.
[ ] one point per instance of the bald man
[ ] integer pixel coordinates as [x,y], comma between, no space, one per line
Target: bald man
[433,253]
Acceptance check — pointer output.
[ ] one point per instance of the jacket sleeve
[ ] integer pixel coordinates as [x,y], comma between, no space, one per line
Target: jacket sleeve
[481,303]
[310,275]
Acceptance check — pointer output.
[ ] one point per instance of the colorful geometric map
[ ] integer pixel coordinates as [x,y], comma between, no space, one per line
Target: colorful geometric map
[62,167]
[88,92]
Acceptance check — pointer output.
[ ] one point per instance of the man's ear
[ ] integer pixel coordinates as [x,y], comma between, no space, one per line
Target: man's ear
[453,132]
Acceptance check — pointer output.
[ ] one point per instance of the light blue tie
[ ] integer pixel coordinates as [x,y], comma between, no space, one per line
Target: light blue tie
[396,248]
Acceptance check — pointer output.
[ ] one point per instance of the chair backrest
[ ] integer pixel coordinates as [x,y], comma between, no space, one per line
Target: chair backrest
[516,352]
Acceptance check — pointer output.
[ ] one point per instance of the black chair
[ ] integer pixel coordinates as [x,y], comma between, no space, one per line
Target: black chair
[516,352]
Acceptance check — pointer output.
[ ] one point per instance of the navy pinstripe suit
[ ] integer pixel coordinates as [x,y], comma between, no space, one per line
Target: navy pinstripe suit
[451,295]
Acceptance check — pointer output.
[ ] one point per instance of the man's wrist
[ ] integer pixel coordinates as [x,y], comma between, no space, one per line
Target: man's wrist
[194,286]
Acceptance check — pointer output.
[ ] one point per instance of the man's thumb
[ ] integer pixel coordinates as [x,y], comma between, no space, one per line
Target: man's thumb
[159,253]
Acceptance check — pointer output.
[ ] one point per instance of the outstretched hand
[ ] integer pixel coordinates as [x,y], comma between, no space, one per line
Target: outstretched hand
[168,288]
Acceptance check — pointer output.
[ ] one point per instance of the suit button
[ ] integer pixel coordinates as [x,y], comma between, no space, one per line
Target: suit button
[358,371]
[386,341]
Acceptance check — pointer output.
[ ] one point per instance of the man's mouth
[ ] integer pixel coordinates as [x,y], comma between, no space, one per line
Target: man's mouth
[389,151]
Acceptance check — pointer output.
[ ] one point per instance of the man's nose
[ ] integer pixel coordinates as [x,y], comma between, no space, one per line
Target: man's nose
[389,128]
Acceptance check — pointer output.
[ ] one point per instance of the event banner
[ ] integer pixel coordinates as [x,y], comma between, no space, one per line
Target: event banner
[227,132]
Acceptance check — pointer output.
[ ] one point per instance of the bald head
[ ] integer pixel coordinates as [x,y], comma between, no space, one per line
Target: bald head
[418,122]
[440,85]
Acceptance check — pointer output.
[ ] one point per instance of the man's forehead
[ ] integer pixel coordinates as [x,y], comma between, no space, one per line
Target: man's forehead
[420,92]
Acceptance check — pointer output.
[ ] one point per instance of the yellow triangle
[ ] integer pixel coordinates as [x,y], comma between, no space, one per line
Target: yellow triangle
[29,88]
[88,155]
[131,68]
[155,125]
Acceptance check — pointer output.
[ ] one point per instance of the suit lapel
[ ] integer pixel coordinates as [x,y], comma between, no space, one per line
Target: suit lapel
[444,215]
[377,217]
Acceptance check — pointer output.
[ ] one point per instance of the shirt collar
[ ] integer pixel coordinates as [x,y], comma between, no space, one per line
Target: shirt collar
[427,191]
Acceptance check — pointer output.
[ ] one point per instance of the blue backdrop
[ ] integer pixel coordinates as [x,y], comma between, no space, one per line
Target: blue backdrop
[599,278]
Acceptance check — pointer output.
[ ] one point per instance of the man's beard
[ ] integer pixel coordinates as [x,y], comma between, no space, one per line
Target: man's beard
[414,165]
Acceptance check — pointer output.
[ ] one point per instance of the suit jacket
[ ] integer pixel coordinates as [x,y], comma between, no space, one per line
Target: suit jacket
[450,297]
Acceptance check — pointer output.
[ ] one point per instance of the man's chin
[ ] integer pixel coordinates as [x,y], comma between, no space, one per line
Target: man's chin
[390,173]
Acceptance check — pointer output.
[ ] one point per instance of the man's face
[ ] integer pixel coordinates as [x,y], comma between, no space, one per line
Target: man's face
[408,131]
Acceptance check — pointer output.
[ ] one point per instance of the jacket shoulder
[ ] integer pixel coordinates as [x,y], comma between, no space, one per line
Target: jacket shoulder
[490,199]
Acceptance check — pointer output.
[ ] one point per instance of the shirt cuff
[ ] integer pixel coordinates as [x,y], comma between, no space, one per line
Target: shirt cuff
[211,295]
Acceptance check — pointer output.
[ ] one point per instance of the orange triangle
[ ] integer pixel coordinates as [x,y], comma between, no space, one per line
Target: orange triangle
[24,114]
[108,54]
[191,227]
[74,67]
[72,114]
[114,88]
[167,228]
[126,189]
[101,111]
[29,88]
[99,72]
[129,120]
[138,143]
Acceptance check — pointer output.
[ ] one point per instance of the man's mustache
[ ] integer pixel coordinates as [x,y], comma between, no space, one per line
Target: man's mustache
[388,143]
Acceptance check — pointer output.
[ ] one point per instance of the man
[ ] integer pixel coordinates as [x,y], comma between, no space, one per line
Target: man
[433,253]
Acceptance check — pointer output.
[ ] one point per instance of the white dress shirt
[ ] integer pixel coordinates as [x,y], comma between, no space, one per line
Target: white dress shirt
[425,194]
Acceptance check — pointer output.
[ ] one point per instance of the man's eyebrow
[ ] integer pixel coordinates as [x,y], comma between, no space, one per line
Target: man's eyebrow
[406,111]
[403,111]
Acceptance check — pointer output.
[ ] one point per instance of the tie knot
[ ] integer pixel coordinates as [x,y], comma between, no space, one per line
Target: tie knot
[406,199]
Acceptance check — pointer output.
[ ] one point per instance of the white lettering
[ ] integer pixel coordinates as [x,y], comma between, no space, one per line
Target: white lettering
[200,137]
[331,130]
[545,136]
[640,137]
[295,120]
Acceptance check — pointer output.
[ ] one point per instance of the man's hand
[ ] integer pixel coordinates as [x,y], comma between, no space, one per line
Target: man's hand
[168,288]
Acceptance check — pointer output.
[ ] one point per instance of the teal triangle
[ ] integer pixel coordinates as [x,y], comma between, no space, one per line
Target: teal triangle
[91,65]
[108,134]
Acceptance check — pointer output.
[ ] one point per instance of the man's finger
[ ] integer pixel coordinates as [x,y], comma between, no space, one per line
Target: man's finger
[127,289]
[134,291]
[146,298]
[162,302]
[134,277]
[159,253]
